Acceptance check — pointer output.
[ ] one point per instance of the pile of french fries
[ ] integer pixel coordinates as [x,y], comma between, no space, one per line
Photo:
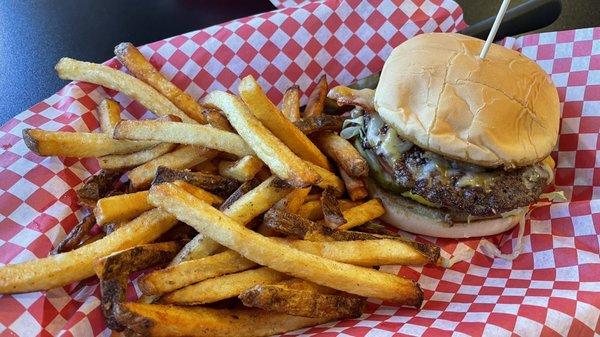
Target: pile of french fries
[256,217]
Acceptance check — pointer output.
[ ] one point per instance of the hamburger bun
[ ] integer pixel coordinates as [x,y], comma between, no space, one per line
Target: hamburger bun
[499,111]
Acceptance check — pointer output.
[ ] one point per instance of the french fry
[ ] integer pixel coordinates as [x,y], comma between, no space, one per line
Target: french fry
[332,214]
[65,268]
[199,193]
[316,100]
[311,210]
[135,62]
[280,159]
[360,214]
[189,272]
[278,298]
[290,107]
[365,253]
[208,167]
[216,119]
[114,269]
[124,161]
[344,154]
[279,256]
[222,287]
[218,185]
[243,169]
[97,186]
[121,207]
[75,236]
[182,158]
[155,320]
[243,210]
[328,178]
[266,112]
[69,69]
[109,115]
[78,144]
[239,192]
[357,190]
[183,133]
[293,201]
[314,124]
[347,96]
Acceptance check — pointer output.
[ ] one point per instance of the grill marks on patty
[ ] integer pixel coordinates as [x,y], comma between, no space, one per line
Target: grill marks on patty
[485,193]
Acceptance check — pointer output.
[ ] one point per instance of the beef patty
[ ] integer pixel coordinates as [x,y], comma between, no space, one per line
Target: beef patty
[456,187]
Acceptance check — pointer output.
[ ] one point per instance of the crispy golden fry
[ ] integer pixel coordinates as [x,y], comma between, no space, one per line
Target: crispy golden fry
[278,298]
[218,185]
[266,112]
[344,154]
[290,106]
[183,133]
[135,62]
[313,197]
[311,210]
[280,159]
[124,161]
[75,236]
[70,69]
[199,193]
[189,272]
[279,256]
[332,214]
[375,227]
[346,96]
[155,320]
[216,119]
[293,201]
[310,125]
[109,115]
[78,144]
[357,190]
[328,178]
[114,269]
[243,169]
[360,214]
[365,253]
[182,158]
[121,207]
[62,269]
[316,100]
[243,210]
[222,287]
[97,186]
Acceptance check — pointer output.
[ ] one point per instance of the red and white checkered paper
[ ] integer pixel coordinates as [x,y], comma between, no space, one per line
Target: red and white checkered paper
[551,289]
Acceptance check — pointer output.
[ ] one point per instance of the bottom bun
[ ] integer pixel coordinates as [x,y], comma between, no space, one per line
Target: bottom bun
[413,217]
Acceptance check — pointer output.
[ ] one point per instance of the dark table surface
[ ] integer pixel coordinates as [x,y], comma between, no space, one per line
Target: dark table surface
[35,34]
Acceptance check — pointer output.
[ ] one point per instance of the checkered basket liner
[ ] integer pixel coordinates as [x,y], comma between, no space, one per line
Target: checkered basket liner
[550,290]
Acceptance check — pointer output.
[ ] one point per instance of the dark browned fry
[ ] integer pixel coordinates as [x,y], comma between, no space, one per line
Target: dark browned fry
[113,271]
[97,187]
[239,192]
[374,227]
[343,153]
[316,100]
[216,119]
[302,302]
[357,190]
[309,125]
[297,227]
[76,235]
[111,227]
[218,185]
[332,214]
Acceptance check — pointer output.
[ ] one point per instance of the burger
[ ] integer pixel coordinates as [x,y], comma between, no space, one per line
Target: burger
[457,146]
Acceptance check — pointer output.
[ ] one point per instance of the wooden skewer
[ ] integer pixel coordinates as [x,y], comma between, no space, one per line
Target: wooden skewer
[494,30]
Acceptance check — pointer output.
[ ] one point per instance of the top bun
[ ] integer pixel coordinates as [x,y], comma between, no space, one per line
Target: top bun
[499,111]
